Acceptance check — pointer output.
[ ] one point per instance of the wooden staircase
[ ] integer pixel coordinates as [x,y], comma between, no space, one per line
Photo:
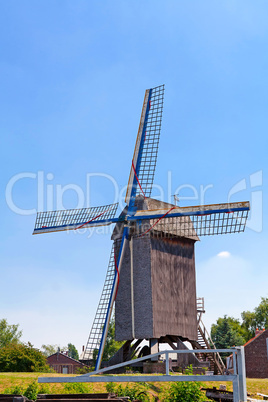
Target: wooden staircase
[204,341]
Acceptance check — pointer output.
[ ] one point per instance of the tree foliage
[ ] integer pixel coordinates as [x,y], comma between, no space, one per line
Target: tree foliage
[251,320]
[227,332]
[111,345]
[72,351]
[9,334]
[49,350]
[22,358]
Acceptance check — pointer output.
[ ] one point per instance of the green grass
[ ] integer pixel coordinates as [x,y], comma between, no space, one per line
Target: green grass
[8,380]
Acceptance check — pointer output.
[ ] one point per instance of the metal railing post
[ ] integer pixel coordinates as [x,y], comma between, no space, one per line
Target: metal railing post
[236,380]
[234,362]
[167,363]
[241,368]
[236,392]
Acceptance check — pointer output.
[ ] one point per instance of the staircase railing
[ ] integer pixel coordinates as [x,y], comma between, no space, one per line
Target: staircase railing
[209,343]
[203,332]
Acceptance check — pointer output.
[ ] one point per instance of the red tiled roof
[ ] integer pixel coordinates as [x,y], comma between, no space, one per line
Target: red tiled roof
[254,337]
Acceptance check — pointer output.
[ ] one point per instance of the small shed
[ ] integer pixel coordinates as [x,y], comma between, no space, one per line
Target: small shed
[64,364]
[256,355]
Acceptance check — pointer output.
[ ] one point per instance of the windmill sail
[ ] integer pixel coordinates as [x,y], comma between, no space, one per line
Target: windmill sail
[67,219]
[202,220]
[95,335]
[146,149]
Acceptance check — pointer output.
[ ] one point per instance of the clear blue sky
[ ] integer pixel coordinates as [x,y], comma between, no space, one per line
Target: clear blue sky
[73,76]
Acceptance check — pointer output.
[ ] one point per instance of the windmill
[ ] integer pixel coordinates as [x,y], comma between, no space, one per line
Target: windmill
[153,252]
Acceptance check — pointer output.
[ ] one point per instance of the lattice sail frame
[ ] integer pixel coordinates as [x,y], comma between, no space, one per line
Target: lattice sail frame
[146,149]
[192,222]
[95,334]
[67,219]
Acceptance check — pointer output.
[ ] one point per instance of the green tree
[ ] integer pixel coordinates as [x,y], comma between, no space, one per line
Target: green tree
[251,320]
[9,334]
[111,345]
[49,350]
[22,358]
[237,327]
[227,332]
[72,351]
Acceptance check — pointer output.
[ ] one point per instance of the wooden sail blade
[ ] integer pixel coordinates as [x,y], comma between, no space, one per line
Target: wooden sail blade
[146,149]
[73,219]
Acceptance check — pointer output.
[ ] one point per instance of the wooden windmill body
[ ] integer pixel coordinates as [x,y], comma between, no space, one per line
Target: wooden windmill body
[157,288]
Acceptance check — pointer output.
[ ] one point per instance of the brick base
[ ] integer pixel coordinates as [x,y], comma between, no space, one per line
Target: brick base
[154,367]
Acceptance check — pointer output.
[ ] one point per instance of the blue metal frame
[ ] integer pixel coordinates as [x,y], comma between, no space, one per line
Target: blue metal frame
[137,167]
[131,217]
[176,214]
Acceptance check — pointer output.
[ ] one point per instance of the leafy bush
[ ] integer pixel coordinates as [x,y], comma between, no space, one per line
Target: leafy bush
[184,391]
[77,388]
[16,390]
[22,358]
[31,391]
[34,389]
[136,391]
[44,389]
[110,387]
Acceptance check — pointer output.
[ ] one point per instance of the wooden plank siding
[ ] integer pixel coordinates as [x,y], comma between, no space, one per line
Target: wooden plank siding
[173,288]
[164,285]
